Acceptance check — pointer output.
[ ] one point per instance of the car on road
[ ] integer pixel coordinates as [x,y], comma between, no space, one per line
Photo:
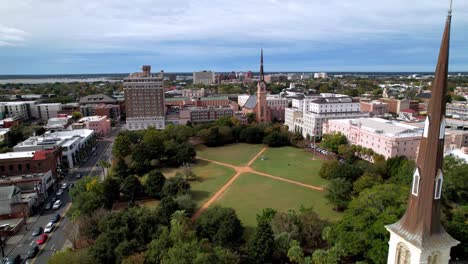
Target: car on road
[53,199]
[55,219]
[5,227]
[49,227]
[12,260]
[57,204]
[42,239]
[37,231]
[60,192]
[47,206]
[64,186]
[78,176]
[33,252]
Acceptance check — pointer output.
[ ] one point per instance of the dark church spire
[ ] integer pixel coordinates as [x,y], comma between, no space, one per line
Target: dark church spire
[262,75]
[421,223]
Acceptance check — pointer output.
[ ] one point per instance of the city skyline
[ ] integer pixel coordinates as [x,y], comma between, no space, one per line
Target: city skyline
[178,36]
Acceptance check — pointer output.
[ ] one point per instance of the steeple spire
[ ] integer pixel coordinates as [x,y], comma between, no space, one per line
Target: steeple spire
[262,75]
[421,226]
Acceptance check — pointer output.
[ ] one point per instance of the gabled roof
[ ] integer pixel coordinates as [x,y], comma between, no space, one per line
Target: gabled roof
[97,98]
[251,102]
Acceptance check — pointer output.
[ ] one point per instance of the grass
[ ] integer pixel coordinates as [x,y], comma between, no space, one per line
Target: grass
[235,154]
[211,178]
[251,193]
[291,163]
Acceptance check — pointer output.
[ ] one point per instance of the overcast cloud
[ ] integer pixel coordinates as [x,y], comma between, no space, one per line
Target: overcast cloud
[80,36]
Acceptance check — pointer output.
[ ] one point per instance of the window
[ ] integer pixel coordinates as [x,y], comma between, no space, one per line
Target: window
[403,255]
[438,185]
[443,123]
[426,127]
[416,180]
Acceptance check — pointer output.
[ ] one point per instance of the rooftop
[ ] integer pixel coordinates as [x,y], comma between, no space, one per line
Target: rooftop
[91,119]
[97,98]
[382,126]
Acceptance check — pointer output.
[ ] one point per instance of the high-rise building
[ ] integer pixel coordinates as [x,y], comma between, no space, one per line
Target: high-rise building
[419,236]
[204,77]
[144,96]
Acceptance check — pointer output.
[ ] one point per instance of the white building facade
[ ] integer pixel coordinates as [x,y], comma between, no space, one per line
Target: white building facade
[307,116]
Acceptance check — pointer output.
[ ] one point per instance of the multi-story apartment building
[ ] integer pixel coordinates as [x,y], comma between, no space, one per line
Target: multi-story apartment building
[47,111]
[144,96]
[197,114]
[100,104]
[320,75]
[101,125]
[19,110]
[384,137]
[204,77]
[458,110]
[30,162]
[307,116]
[76,145]
[69,109]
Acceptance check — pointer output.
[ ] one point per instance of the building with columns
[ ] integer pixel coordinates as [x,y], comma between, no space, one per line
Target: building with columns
[419,237]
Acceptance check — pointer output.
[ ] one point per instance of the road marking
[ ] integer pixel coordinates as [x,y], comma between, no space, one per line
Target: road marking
[32,242]
[45,243]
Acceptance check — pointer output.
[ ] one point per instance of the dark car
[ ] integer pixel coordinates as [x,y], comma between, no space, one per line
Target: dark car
[55,219]
[78,176]
[47,206]
[13,260]
[37,231]
[33,252]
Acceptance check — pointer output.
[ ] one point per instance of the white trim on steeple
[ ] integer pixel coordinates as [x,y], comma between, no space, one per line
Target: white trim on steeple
[438,185]
[443,124]
[426,127]
[416,181]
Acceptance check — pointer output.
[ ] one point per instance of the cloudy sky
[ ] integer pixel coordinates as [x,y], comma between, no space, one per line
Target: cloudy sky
[105,36]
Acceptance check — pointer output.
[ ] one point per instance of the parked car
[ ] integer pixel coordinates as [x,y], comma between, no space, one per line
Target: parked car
[55,219]
[60,192]
[42,239]
[12,260]
[37,231]
[47,206]
[53,199]
[49,227]
[64,186]
[57,204]
[78,176]
[33,252]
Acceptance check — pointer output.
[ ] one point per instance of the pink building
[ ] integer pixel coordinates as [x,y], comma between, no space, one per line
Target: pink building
[384,137]
[375,108]
[101,125]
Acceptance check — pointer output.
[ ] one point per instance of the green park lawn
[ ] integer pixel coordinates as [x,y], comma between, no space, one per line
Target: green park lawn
[235,154]
[251,193]
[291,163]
[211,177]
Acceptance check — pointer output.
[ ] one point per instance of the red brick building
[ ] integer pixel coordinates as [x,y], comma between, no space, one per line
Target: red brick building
[30,162]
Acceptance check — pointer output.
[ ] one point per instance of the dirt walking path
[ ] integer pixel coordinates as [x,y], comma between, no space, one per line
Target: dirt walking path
[240,170]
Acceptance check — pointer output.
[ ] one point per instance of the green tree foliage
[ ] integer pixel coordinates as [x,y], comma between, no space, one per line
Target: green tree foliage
[179,244]
[276,139]
[252,135]
[175,186]
[77,115]
[332,169]
[165,210]
[251,117]
[87,196]
[131,188]
[262,244]
[154,184]
[455,181]
[185,203]
[333,141]
[361,232]
[367,180]
[339,193]
[221,226]
[121,147]
[111,191]
[123,233]
[457,226]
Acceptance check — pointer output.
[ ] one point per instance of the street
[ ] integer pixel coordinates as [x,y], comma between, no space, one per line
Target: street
[24,240]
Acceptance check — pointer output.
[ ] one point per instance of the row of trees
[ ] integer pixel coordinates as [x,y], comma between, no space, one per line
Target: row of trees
[229,130]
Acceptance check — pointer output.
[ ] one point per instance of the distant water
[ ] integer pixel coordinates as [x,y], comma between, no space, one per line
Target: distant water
[113,77]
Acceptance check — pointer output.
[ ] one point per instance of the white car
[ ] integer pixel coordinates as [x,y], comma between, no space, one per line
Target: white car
[49,227]
[64,186]
[59,192]
[57,204]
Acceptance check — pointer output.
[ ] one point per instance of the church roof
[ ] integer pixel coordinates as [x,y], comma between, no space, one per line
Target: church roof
[251,102]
